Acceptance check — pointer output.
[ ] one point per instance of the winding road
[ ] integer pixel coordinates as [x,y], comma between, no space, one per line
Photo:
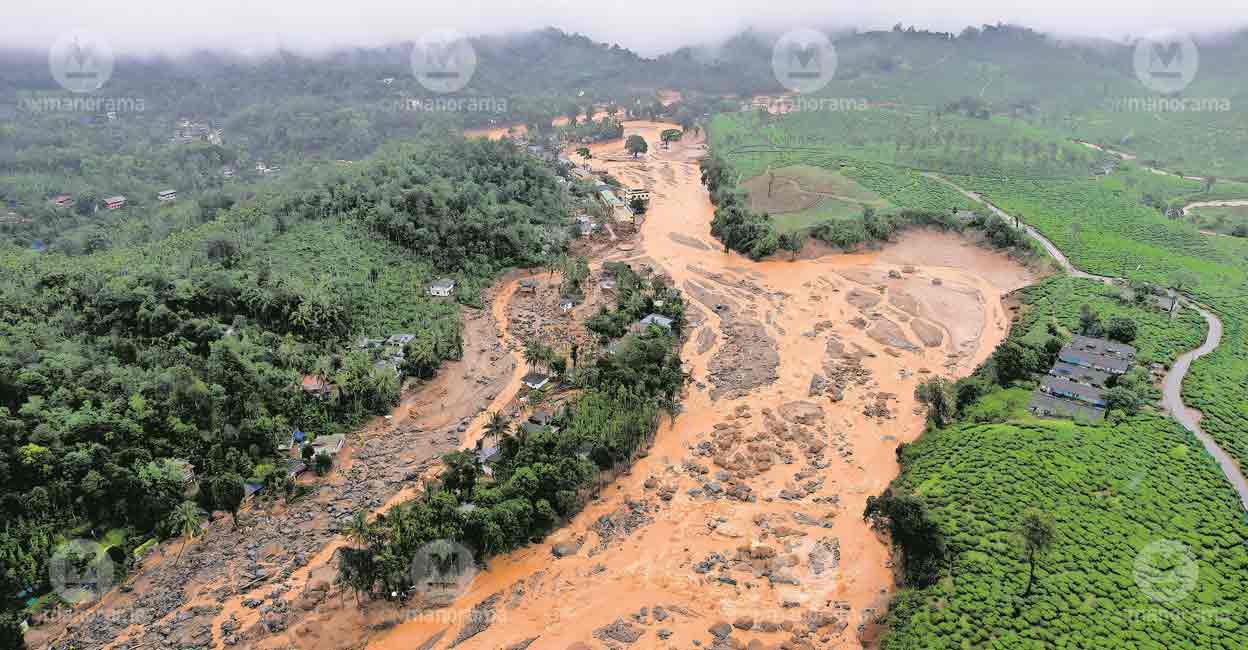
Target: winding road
[1172,388]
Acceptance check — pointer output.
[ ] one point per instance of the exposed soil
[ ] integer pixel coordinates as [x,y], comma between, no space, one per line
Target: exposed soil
[743,521]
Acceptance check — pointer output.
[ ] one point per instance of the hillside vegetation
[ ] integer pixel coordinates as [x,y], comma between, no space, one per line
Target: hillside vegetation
[1148,547]
[122,370]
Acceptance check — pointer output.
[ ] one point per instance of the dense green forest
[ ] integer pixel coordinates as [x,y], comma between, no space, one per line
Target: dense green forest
[1117,496]
[131,377]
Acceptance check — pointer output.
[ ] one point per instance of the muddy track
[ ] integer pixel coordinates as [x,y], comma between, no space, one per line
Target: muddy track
[1172,391]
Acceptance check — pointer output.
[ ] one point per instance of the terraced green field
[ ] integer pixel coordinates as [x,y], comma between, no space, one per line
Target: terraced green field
[1119,496]
[919,139]
[1103,230]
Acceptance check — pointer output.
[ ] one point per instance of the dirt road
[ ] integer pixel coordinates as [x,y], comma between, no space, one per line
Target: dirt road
[748,506]
[1172,388]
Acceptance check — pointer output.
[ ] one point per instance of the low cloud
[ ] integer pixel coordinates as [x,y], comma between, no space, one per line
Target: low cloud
[647,26]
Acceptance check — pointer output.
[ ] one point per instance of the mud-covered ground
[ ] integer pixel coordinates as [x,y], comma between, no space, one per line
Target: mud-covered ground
[742,525]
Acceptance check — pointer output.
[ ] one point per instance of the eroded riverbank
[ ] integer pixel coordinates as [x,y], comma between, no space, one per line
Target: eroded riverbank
[747,509]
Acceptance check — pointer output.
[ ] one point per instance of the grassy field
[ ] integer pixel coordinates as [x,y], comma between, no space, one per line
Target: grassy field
[825,209]
[800,196]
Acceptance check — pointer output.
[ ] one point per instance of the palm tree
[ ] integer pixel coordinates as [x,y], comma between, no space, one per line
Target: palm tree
[359,531]
[422,355]
[532,353]
[186,519]
[547,354]
[497,426]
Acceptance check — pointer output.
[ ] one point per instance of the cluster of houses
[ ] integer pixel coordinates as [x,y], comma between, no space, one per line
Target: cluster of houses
[619,200]
[1075,386]
[66,201]
[188,131]
[11,216]
[330,445]
[488,454]
[388,352]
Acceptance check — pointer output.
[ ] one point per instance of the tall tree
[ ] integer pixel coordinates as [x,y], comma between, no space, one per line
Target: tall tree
[635,144]
[1037,532]
[228,492]
[186,519]
[11,637]
[937,394]
[359,531]
[497,426]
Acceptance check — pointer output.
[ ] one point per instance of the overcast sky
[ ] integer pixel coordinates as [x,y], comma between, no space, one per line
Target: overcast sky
[647,26]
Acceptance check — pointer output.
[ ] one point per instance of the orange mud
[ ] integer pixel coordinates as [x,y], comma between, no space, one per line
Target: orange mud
[957,289]
[498,132]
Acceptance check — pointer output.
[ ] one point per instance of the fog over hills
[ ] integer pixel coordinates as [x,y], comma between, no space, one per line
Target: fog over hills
[148,25]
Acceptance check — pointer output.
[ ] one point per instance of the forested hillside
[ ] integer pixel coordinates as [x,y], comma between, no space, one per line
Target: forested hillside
[129,377]
[1075,88]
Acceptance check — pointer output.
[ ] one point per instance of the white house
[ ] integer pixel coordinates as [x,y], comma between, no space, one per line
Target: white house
[329,445]
[535,380]
[442,288]
[638,193]
[656,319]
